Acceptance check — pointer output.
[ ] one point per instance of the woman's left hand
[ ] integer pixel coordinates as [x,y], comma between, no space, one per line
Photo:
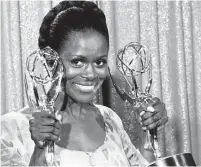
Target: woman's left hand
[153,114]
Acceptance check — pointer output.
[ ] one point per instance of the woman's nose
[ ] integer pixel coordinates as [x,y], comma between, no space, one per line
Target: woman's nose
[89,72]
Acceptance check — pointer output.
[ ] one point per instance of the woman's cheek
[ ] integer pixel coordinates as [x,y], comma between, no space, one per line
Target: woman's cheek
[102,73]
[72,72]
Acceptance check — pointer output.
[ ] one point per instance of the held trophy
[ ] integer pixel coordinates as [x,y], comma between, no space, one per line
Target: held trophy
[43,83]
[134,64]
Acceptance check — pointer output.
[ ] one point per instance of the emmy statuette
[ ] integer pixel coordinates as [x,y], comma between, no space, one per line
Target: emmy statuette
[134,64]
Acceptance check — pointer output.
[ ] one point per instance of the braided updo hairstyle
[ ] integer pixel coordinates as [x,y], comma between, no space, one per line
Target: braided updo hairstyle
[70,16]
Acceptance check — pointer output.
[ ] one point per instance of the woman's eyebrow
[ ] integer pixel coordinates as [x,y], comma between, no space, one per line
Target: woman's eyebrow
[102,56]
[76,55]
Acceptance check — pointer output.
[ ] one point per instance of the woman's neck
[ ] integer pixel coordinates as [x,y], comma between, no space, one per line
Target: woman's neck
[80,111]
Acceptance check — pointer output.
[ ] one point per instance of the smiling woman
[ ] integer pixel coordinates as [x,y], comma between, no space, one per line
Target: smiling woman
[88,134]
[78,32]
[85,59]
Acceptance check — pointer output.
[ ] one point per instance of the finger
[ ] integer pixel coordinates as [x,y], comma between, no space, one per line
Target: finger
[56,132]
[50,129]
[157,124]
[154,125]
[159,107]
[58,140]
[154,101]
[154,105]
[150,106]
[46,121]
[153,110]
[57,125]
[31,121]
[139,117]
[163,121]
[41,144]
[46,129]
[47,125]
[36,136]
[152,119]
[34,109]
[44,114]
[32,129]
[143,106]
[49,136]
[45,133]
[146,115]
[58,116]
[166,117]
[42,121]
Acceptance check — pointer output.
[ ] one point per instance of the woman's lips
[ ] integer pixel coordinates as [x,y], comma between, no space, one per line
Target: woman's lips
[85,88]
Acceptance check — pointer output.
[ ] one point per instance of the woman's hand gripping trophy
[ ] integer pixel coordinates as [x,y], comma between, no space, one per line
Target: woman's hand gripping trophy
[43,84]
[133,61]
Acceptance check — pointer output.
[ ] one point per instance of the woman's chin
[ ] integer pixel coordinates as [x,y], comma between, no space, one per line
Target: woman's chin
[84,98]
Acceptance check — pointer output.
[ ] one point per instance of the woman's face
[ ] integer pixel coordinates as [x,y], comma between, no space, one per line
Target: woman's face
[85,59]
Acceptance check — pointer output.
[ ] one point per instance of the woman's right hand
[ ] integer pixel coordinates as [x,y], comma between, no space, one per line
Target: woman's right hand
[44,126]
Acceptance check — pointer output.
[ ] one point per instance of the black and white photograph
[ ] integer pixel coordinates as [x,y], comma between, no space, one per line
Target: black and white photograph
[100,83]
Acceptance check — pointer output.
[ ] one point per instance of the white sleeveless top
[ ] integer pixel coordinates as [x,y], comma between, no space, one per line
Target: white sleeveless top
[117,149]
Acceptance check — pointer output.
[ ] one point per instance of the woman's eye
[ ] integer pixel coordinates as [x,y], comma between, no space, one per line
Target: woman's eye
[77,63]
[101,63]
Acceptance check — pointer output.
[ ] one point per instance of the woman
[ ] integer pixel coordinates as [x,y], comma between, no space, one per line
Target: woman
[88,134]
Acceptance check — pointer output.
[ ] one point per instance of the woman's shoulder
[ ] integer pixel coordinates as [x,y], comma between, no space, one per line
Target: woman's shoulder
[106,111]
[110,116]
[14,124]
[16,119]
[17,116]
[15,138]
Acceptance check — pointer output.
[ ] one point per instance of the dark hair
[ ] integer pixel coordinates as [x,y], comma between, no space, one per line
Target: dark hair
[70,16]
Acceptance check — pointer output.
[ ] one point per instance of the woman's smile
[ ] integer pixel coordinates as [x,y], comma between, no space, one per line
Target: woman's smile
[85,88]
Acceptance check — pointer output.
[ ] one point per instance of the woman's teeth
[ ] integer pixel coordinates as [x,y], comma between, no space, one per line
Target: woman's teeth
[85,88]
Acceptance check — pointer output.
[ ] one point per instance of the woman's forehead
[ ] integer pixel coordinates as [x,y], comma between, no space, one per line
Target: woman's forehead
[85,34]
[87,41]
